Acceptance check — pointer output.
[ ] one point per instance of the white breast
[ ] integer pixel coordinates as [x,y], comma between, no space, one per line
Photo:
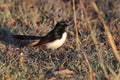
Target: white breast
[57,43]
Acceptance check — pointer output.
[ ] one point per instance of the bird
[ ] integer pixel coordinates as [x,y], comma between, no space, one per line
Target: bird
[52,40]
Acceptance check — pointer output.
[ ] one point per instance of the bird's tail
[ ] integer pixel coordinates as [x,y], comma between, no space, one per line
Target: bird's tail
[35,39]
[26,37]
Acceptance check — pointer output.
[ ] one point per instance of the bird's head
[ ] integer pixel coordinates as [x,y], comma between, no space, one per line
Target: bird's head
[65,25]
[62,24]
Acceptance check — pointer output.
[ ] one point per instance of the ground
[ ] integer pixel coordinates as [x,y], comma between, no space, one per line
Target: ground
[89,52]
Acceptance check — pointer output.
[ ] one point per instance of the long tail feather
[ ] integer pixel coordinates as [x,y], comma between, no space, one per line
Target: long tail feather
[25,37]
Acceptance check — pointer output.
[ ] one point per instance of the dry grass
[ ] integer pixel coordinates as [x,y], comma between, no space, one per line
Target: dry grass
[91,52]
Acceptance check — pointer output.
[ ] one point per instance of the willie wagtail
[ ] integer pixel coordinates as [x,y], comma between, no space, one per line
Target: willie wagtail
[53,40]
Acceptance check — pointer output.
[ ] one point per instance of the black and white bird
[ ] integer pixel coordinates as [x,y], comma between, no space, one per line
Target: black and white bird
[53,40]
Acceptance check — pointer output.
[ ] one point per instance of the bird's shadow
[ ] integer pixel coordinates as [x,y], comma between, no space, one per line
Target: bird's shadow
[6,37]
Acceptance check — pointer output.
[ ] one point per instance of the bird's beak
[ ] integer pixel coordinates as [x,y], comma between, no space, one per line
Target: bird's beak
[69,26]
[70,23]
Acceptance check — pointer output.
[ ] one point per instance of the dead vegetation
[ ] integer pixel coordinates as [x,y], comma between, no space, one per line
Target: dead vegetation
[91,52]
